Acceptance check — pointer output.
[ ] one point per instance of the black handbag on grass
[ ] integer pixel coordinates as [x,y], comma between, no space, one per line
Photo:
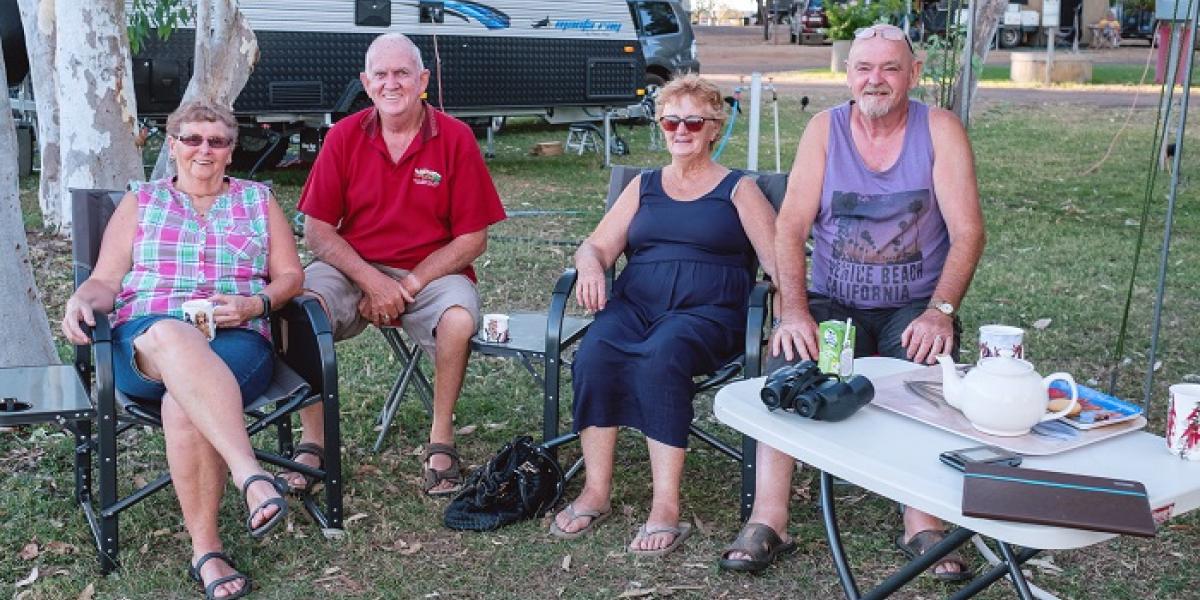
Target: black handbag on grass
[520,482]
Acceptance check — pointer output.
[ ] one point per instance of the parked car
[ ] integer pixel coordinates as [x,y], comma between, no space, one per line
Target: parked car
[809,23]
[668,43]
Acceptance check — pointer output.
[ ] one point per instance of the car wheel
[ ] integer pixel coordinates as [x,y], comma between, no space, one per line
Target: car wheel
[654,82]
[1010,38]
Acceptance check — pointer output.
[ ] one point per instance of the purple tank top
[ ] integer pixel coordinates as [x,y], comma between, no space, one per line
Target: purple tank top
[879,238]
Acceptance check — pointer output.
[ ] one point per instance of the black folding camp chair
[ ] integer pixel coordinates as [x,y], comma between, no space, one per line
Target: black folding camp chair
[561,331]
[305,374]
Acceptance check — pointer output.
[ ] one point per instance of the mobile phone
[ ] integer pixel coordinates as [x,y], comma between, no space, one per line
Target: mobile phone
[958,459]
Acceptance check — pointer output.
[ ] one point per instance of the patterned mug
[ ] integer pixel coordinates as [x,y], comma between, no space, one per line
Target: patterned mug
[1183,421]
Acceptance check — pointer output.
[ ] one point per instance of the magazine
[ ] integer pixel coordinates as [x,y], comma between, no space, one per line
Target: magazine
[1097,408]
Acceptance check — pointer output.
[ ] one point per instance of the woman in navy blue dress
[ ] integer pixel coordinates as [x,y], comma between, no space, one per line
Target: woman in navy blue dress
[692,232]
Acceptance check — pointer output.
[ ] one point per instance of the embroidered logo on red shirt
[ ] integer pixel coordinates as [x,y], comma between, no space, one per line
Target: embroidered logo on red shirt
[427,177]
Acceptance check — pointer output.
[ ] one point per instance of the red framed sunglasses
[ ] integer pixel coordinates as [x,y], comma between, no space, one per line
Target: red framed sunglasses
[693,123]
[195,140]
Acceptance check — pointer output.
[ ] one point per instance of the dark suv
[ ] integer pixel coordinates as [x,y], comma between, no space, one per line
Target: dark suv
[809,23]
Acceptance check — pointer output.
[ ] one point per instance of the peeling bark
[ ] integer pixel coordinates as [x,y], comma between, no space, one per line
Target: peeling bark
[226,52]
[97,112]
[37,19]
[23,327]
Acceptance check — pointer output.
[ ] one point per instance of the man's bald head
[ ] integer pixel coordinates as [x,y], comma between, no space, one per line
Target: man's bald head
[394,40]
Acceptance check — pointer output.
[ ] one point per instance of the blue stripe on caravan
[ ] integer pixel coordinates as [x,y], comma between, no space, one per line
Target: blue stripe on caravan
[1069,486]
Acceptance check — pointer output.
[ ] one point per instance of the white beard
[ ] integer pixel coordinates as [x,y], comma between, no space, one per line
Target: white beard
[874,107]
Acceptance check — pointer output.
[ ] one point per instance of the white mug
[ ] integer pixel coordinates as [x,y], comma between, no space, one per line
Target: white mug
[495,328]
[200,314]
[1001,340]
[1183,421]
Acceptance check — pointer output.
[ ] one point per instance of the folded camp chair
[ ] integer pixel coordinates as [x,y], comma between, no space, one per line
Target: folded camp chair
[561,331]
[305,373]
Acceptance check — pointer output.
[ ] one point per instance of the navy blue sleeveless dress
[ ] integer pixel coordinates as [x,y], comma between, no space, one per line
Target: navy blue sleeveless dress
[678,310]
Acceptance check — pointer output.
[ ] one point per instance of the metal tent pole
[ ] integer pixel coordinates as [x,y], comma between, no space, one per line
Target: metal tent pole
[755,114]
[1172,192]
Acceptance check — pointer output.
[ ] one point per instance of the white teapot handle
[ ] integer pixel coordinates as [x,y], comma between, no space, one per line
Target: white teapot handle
[1074,394]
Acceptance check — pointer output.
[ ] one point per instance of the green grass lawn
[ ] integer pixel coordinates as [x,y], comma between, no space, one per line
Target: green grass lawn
[1060,248]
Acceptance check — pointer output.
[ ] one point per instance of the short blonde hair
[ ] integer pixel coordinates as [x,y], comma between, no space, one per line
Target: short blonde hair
[198,111]
[697,88]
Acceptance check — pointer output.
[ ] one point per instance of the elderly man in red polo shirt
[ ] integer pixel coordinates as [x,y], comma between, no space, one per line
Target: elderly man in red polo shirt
[397,206]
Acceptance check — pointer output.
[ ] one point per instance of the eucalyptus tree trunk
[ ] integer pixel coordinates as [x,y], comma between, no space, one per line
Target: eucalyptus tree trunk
[226,52]
[23,327]
[96,106]
[987,19]
[37,19]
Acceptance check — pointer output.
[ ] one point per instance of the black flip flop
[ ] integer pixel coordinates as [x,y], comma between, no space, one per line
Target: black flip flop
[922,542]
[210,590]
[761,543]
[262,530]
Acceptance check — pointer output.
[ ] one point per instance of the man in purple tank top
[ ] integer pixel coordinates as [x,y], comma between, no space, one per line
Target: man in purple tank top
[886,187]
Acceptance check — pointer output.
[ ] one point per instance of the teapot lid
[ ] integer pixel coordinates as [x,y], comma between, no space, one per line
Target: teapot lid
[1005,365]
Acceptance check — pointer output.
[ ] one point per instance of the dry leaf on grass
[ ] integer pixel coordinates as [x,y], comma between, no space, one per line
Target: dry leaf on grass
[1042,324]
[466,430]
[331,571]
[61,548]
[32,577]
[355,517]
[366,470]
[88,592]
[637,593]
[29,552]
[411,550]
[566,563]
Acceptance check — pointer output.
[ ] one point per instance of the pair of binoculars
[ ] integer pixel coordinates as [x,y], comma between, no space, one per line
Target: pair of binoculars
[802,388]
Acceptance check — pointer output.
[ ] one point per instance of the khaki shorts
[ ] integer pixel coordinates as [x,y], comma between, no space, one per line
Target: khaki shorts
[420,318]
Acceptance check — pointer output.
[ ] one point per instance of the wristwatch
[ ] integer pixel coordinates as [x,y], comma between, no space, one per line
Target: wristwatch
[942,306]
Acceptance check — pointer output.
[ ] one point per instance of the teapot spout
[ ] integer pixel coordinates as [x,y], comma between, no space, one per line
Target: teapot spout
[951,381]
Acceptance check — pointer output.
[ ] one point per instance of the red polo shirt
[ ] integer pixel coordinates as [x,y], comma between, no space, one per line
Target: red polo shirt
[398,213]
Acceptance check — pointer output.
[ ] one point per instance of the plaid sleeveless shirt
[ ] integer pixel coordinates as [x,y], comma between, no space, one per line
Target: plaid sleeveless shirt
[179,255]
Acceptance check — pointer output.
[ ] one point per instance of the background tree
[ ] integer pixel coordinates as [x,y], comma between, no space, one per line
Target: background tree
[37,19]
[987,20]
[226,52]
[23,325]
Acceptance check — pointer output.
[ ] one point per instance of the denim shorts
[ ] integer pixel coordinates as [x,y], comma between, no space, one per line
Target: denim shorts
[248,355]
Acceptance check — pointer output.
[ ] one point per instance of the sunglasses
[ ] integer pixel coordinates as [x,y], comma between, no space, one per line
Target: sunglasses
[214,142]
[887,32]
[693,123]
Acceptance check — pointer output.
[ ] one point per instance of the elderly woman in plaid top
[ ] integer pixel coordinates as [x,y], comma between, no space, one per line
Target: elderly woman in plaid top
[199,235]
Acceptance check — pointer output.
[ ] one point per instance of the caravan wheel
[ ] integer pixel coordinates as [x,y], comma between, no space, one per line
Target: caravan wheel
[1010,38]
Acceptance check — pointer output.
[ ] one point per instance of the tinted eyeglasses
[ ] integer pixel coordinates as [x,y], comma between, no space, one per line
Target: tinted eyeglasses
[214,142]
[693,123]
[887,32]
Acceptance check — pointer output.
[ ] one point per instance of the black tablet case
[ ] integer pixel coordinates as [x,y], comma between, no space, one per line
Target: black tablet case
[1060,499]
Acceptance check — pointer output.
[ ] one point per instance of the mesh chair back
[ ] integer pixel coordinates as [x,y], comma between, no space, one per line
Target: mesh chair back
[90,212]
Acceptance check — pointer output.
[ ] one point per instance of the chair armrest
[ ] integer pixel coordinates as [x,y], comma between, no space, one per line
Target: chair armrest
[304,340]
[557,312]
[98,356]
[757,325]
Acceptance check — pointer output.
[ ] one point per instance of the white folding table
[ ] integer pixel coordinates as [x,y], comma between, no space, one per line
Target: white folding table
[897,457]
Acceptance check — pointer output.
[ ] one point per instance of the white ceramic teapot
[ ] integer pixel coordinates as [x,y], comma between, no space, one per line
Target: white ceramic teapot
[1002,395]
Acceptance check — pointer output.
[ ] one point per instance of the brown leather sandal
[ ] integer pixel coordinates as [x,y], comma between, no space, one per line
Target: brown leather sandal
[432,477]
[921,542]
[761,544]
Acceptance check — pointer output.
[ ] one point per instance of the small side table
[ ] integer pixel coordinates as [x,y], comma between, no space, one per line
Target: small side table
[51,394]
